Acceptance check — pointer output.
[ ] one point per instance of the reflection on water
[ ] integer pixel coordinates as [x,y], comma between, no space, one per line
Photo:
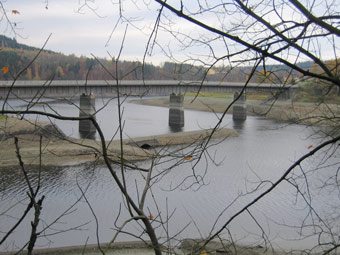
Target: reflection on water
[175,129]
[263,151]
[238,124]
[87,135]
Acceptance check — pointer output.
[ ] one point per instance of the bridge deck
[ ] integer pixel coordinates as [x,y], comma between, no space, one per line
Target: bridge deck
[61,83]
[108,88]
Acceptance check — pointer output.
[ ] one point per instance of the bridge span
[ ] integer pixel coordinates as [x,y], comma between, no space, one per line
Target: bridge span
[108,88]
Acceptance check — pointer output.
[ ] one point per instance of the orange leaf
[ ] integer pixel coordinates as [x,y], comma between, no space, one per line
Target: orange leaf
[5,69]
[151,217]
[188,158]
[15,12]
[310,147]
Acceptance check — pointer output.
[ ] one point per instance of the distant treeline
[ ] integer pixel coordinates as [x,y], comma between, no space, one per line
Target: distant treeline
[52,65]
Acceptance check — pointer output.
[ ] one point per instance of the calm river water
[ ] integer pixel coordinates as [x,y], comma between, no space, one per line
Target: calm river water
[262,152]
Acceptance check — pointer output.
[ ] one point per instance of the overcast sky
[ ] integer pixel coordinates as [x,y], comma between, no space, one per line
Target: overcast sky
[81,33]
[86,32]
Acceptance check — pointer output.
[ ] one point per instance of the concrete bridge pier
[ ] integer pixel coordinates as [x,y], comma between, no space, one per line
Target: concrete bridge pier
[176,112]
[240,107]
[87,107]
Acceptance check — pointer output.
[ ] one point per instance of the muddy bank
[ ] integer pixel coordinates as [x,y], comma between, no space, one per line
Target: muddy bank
[288,111]
[41,138]
[187,246]
[126,248]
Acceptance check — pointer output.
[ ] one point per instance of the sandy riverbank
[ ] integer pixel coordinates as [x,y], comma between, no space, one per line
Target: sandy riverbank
[56,149]
[187,246]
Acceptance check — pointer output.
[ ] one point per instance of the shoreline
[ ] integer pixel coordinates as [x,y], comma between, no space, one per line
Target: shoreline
[59,150]
[91,249]
[279,110]
[187,246]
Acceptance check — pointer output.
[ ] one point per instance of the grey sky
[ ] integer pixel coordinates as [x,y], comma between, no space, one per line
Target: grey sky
[81,33]
[86,32]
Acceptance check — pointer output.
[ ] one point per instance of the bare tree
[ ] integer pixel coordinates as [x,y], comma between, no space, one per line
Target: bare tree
[224,33]
[260,34]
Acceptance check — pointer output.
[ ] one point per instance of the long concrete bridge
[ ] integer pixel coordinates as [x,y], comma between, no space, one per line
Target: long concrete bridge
[108,88]
[87,91]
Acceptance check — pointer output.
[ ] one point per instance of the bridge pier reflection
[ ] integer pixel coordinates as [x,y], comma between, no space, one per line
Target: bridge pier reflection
[87,107]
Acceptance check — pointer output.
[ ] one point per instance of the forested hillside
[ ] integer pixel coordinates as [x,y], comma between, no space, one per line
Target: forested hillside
[51,65]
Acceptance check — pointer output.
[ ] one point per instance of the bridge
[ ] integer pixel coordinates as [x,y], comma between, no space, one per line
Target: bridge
[108,88]
[87,91]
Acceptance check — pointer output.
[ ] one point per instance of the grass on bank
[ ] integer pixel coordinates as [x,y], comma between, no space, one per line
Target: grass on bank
[303,95]
[250,95]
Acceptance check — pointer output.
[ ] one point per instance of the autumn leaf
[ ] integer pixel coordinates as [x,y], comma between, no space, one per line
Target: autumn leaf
[203,252]
[310,147]
[188,158]
[15,12]
[5,69]
[151,217]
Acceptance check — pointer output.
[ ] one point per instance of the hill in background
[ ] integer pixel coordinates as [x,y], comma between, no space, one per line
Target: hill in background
[12,43]
[52,65]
